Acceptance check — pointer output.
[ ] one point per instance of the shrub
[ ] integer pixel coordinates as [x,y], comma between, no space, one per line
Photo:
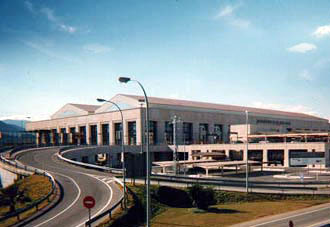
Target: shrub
[202,197]
[173,197]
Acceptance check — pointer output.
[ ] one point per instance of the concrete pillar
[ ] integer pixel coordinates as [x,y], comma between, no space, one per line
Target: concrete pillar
[99,134]
[286,157]
[68,135]
[78,138]
[245,154]
[125,131]
[227,153]
[88,134]
[138,131]
[265,156]
[38,140]
[112,132]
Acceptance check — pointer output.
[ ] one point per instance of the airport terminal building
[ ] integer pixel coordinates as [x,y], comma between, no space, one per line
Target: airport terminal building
[200,128]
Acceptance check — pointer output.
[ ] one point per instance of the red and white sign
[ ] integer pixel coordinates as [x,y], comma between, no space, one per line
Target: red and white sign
[89,202]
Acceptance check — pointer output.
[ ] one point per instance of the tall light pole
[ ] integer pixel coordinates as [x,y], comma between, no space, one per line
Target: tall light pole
[148,200]
[247,151]
[122,144]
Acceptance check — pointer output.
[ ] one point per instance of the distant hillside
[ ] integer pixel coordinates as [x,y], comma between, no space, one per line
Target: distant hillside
[5,127]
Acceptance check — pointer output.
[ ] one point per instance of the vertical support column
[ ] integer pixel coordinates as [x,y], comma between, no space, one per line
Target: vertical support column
[265,156]
[68,135]
[88,134]
[286,157]
[245,154]
[125,131]
[38,138]
[78,138]
[99,134]
[138,131]
[112,132]
[52,139]
[227,153]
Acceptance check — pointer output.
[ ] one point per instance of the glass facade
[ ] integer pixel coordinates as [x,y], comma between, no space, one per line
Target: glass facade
[82,132]
[118,137]
[105,134]
[218,133]
[132,133]
[93,134]
[153,132]
[203,133]
[187,133]
[168,133]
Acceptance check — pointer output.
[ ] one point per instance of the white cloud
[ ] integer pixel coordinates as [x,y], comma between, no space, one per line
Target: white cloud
[322,31]
[50,15]
[302,47]
[96,48]
[226,11]
[241,23]
[25,117]
[305,75]
[29,6]
[227,14]
[48,52]
[289,108]
[67,28]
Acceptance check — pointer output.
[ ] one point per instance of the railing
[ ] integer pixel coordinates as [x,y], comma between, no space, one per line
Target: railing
[91,166]
[32,171]
[281,186]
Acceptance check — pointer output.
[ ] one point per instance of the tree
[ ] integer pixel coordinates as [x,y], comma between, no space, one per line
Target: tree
[12,195]
[202,197]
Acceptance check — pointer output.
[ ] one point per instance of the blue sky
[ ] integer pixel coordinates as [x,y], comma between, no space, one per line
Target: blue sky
[269,54]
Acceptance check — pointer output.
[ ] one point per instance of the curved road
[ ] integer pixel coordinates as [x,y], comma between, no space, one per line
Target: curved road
[77,183]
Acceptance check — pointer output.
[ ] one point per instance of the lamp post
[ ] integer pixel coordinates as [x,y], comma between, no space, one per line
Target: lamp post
[148,200]
[247,152]
[122,144]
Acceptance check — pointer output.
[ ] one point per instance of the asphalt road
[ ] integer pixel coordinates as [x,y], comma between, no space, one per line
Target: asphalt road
[315,216]
[77,183]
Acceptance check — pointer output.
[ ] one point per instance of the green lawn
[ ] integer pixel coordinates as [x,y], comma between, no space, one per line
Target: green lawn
[36,187]
[227,214]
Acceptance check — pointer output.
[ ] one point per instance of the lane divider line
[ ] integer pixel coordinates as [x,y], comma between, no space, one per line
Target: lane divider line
[75,200]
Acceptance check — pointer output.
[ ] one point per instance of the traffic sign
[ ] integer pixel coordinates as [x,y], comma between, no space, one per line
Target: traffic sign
[89,202]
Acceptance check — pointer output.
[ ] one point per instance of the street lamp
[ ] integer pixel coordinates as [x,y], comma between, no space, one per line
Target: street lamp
[126,80]
[247,152]
[122,144]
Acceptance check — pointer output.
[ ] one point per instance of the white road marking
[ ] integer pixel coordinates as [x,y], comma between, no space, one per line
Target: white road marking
[320,223]
[76,199]
[308,212]
[111,194]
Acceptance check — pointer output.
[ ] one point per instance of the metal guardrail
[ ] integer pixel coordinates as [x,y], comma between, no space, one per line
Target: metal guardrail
[230,183]
[32,171]
[91,166]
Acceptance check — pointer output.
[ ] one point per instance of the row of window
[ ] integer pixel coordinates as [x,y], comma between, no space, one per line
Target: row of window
[185,137]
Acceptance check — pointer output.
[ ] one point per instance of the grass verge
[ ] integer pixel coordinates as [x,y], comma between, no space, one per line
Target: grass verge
[35,187]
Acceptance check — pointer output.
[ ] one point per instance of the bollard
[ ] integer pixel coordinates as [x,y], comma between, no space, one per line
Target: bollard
[291,224]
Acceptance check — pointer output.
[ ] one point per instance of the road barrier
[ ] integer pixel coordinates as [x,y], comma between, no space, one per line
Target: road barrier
[28,170]
[86,165]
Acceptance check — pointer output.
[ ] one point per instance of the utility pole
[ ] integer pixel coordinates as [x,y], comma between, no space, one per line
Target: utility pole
[175,153]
